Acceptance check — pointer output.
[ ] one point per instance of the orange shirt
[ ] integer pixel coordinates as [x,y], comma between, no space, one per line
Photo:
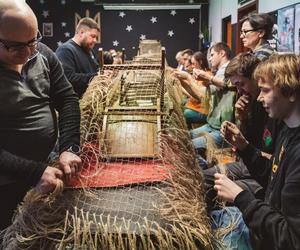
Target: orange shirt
[201,107]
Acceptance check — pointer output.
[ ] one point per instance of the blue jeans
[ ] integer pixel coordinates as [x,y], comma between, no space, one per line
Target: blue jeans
[200,142]
[236,239]
[192,116]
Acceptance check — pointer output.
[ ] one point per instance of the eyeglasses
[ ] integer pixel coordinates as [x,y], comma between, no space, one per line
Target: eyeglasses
[16,46]
[245,32]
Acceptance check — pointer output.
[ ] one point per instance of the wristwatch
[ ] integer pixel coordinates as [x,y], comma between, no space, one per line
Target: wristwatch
[75,149]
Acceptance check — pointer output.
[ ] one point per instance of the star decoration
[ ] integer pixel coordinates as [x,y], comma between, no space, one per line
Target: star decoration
[143,37]
[67,34]
[170,33]
[129,28]
[133,47]
[63,24]
[153,19]
[59,43]
[45,13]
[42,1]
[122,14]
[115,43]
[173,12]
[63,2]
[192,20]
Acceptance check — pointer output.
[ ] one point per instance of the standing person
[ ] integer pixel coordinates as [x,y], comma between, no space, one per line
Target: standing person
[256,29]
[77,56]
[32,87]
[274,222]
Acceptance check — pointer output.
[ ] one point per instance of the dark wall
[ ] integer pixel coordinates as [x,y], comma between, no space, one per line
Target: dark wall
[61,15]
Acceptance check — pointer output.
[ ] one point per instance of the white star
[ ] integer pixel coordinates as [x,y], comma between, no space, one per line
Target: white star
[63,2]
[129,28]
[42,1]
[153,19]
[67,34]
[143,37]
[170,33]
[45,13]
[115,43]
[122,14]
[192,20]
[59,43]
[173,12]
[133,47]
[63,24]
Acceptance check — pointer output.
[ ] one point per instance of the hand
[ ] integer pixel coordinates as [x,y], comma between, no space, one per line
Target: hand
[242,107]
[200,74]
[226,189]
[181,75]
[49,180]
[231,133]
[70,164]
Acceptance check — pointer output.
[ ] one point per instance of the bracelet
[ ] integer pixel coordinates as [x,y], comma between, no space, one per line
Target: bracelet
[211,78]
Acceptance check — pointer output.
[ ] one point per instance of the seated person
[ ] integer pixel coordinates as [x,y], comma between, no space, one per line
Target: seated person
[253,120]
[222,99]
[196,111]
[197,93]
[274,221]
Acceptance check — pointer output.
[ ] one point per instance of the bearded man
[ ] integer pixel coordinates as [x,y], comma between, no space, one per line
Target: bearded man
[77,56]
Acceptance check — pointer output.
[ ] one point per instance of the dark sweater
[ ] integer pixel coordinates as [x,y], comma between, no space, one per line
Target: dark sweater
[79,65]
[274,222]
[29,127]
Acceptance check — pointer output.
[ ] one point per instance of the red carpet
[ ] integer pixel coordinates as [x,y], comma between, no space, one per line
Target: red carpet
[121,173]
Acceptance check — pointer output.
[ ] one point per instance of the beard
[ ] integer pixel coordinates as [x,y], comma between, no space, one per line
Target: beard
[86,47]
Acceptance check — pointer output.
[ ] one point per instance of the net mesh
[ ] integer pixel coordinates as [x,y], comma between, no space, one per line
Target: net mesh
[140,187]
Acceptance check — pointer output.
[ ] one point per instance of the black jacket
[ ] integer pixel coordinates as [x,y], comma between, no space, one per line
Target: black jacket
[79,66]
[29,126]
[275,222]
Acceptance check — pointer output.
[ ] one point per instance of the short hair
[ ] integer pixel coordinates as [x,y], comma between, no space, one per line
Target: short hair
[178,55]
[187,51]
[243,64]
[283,71]
[87,22]
[108,58]
[222,46]
[260,21]
[201,59]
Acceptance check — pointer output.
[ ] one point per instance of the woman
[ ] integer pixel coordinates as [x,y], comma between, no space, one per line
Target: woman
[256,29]
[196,111]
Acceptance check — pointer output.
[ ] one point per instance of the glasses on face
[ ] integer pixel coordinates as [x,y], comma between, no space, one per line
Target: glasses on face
[245,32]
[16,46]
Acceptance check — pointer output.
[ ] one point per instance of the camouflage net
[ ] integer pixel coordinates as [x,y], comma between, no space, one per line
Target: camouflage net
[165,212]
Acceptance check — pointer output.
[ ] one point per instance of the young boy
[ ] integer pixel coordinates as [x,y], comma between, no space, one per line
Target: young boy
[274,222]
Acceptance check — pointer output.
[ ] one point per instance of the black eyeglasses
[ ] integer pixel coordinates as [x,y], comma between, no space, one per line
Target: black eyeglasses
[245,32]
[16,46]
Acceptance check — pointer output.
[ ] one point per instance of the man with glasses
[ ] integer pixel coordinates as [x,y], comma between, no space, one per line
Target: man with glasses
[32,87]
[256,29]
[77,55]
[16,47]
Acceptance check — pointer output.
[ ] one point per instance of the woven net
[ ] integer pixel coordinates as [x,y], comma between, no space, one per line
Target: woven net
[140,187]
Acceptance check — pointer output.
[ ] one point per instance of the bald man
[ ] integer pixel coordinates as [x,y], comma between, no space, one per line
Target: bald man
[32,87]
